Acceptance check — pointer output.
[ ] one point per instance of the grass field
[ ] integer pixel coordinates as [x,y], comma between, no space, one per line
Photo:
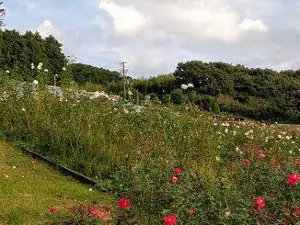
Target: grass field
[28,188]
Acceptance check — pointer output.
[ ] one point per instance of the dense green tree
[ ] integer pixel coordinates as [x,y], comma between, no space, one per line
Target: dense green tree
[82,73]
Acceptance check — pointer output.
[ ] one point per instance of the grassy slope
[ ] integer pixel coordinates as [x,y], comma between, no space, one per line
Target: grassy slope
[28,190]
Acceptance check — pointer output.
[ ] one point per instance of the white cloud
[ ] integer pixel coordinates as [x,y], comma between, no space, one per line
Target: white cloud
[254,25]
[46,29]
[127,19]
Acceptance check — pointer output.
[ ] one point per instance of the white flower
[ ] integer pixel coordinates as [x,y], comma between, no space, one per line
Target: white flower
[14,167]
[64,68]
[32,67]
[23,109]
[40,66]
[190,85]
[35,82]
[130,93]
[7,71]
[184,87]
[46,70]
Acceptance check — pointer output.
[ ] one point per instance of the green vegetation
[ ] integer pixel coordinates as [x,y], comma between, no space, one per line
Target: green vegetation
[28,189]
[225,166]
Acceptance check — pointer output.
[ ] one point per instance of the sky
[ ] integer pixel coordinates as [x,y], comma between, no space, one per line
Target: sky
[153,36]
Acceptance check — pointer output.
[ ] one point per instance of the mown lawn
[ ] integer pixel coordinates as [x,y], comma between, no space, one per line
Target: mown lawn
[28,188]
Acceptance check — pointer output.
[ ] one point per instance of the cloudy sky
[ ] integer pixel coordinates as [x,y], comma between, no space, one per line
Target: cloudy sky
[154,35]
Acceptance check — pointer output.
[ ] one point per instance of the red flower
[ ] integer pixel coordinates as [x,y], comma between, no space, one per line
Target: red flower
[298,211]
[272,161]
[124,203]
[260,151]
[177,171]
[169,220]
[293,179]
[231,165]
[295,164]
[259,202]
[192,211]
[53,209]
[174,180]
[246,162]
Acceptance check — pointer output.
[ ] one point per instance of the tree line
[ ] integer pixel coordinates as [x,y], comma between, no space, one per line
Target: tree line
[21,55]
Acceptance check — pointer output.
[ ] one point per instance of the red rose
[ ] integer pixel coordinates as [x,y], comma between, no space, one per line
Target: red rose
[124,203]
[231,165]
[53,209]
[259,202]
[174,180]
[169,220]
[246,162]
[298,211]
[177,171]
[293,179]
[192,211]
[260,151]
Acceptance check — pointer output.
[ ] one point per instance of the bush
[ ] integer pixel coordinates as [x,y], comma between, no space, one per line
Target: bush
[177,96]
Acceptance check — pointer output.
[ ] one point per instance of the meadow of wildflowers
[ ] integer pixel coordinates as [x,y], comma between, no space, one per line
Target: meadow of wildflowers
[166,165]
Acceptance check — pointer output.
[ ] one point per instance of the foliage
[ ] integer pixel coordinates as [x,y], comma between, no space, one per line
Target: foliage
[133,153]
[23,53]
[82,74]
[177,96]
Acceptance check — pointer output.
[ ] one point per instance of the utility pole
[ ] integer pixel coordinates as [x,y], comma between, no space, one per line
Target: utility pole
[124,71]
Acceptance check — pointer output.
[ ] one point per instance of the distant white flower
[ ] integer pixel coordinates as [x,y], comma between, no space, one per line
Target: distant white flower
[14,167]
[32,67]
[7,71]
[40,66]
[130,93]
[64,68]
[46,70]
[23,109]
[35,82]
[184,87]
[190,85]
[90,189]
[32,64]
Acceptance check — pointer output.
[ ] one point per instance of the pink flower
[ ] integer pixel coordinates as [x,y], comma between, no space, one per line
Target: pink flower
[177,171]
[102,215]
[170,220]
[278,166]
[192,211]
[259,202]
[262,155]
[227,213]
[53,209]
[295,164]
[174,180]
[95,212]
[246,162]
[124,203]
[293,179]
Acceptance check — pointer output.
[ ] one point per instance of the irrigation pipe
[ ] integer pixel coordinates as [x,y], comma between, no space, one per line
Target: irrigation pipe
[61,168]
